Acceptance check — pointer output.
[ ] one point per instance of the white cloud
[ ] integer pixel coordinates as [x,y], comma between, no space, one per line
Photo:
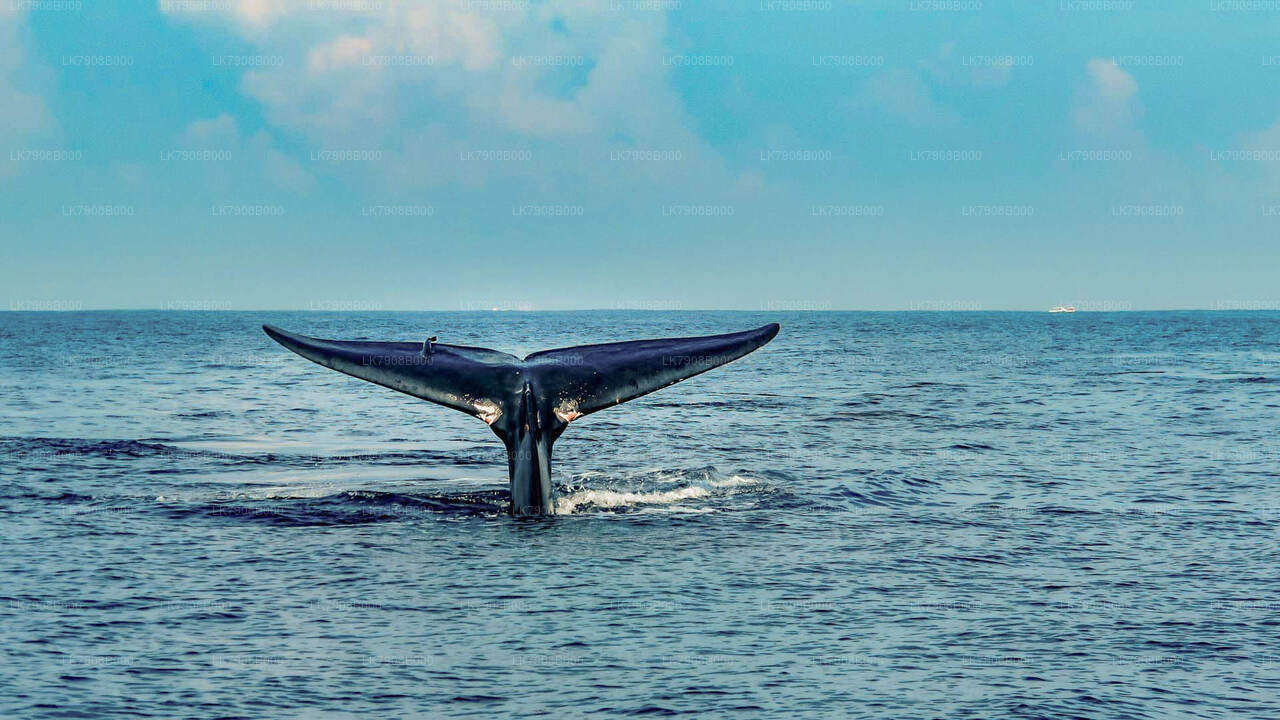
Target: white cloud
[424,80]
[1111,81]
[1267,140]
[1258,164]
[344,51]
[1107,106]
[220,130]
[251,16]
[234,156]
[976,71]
[903,95]
[25,116]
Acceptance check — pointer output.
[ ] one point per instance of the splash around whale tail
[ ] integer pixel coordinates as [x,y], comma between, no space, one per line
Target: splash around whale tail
[527,402]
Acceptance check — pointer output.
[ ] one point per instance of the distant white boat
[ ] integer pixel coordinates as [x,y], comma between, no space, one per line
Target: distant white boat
[1062,308]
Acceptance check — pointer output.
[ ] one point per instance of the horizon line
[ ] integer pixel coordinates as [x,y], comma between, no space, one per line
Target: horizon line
[1270,307]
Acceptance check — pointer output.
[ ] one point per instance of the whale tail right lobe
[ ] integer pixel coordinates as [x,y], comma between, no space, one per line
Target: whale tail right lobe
[587,378]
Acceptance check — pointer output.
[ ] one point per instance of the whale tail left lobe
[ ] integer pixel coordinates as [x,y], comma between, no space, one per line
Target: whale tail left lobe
[473,380]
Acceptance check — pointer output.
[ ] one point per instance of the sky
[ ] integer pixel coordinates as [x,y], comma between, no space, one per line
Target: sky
[650,154]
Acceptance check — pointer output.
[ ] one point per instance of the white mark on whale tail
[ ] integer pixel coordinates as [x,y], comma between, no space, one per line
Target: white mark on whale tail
[488,411]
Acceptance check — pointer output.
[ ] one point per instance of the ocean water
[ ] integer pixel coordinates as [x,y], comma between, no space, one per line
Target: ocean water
[886,515]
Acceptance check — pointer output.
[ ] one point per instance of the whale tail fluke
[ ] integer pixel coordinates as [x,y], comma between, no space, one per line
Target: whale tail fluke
[528,403]
[575,381]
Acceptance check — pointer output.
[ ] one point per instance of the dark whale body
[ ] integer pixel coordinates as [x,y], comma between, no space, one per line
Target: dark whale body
[527,403]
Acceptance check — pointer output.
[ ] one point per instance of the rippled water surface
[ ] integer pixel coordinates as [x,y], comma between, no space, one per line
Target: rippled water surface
[896,515]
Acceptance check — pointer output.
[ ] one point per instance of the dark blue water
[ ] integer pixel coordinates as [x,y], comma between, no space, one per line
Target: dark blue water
[910,515]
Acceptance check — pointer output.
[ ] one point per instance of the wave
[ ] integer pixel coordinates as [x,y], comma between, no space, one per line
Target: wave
[356,507]
[28,447]
[569,504]
[34,446]
[338,496]
[671,490]
[681,491]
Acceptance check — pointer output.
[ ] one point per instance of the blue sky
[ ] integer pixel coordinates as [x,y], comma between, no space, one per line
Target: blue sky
[902,154]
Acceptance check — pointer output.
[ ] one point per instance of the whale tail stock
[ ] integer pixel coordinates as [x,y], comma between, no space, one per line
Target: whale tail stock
[527,402]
